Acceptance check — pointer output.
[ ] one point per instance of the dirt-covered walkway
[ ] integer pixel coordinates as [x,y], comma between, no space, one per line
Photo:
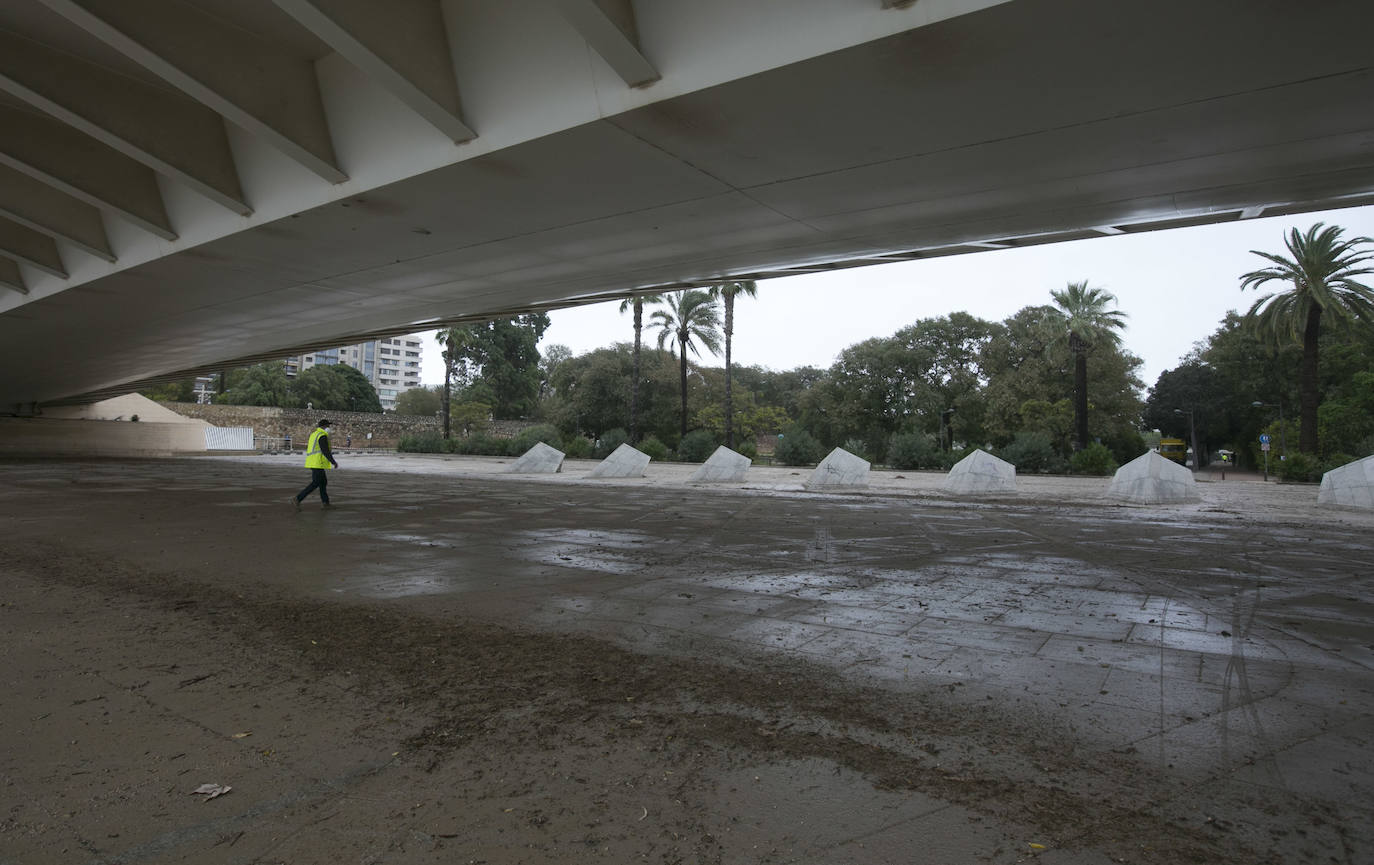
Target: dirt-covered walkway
[455,666]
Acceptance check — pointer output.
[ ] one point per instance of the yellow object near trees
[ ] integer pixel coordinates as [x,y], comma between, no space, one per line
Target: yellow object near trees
[1174,449]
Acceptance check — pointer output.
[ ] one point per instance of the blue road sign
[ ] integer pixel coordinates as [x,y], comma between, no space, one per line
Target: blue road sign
[1264,438]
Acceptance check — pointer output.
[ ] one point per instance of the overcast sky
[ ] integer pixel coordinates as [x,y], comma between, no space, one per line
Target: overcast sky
[1175,286]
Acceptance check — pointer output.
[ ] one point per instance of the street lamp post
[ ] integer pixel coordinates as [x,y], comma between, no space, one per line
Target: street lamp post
[1192,435]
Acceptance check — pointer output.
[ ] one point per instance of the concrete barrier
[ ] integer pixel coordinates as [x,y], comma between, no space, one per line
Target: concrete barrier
[44,437]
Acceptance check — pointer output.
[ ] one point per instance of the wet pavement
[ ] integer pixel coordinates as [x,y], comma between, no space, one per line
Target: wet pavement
[1229,641]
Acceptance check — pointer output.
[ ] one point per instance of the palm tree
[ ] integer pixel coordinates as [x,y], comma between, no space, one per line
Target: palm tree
[1321,271]
[1089,323]
[690,318]
[637,304]
[728,290]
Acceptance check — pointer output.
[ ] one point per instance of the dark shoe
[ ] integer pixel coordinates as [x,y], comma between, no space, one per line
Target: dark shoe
[297,502]
[327,505]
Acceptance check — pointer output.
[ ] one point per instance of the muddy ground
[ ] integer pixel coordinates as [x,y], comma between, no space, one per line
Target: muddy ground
[453,666]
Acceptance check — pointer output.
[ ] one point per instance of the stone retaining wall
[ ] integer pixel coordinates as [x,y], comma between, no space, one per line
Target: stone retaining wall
[350,429]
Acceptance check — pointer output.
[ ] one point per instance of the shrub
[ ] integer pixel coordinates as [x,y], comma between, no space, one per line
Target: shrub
[797,447]
[420,443]
[1300,467]
[654,449]
[1125,445]
[528,438]
[609,441]
[946,459]
[1335,461]
[857,448]
[577,448]
[1031,452]
[696,447]
[912,451]
[747,449]
[1095,459]
[1365,447]
[480,444]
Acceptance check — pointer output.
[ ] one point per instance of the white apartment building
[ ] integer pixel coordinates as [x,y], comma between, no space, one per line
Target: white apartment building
[392,364]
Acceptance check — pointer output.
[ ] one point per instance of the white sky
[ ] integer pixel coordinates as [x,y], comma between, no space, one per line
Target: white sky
[1175,287]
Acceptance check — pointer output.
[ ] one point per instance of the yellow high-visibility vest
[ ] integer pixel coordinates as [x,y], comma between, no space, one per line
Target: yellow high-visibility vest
[314,457]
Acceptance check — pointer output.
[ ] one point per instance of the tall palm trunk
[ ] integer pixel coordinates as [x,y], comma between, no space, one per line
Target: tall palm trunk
[1309,382]
[634,385]
[1080,391]
[682,378]
[448,379]
[729,394]
[449,354]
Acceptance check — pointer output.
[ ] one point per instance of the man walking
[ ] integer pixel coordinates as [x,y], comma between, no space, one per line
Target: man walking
[318,458]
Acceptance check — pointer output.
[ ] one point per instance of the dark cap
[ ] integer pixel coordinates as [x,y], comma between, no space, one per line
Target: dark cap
[324,422]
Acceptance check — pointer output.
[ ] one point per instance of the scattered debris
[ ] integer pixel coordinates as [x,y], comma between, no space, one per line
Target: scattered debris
[211,791]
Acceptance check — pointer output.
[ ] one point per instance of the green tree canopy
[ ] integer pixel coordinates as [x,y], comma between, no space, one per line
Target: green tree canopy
[1320,271]
[182,390]
[335,388]
[1236,367]
[590,393]
[264,384]
[420,401]
[1030,359]
[503,358]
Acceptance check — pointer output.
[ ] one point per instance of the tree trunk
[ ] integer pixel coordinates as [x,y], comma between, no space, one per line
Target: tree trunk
[448,386]
[1309,383]
[634,384]
[1080,392]
[448,376]
[682,346]
[729,395]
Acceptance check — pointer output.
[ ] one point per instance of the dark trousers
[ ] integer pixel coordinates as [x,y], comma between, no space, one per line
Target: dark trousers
[319,479]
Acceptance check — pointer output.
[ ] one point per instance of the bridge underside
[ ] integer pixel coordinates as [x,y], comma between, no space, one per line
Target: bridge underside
[1026,122]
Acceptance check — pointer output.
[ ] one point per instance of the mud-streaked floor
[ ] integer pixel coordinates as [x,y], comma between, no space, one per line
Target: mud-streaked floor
[456,666]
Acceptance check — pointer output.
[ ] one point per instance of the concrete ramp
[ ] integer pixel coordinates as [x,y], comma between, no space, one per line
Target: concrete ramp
[542,459]
[981,472]
[1350,486]
[624,462]
[840,470]
[724,466]
[1150,479]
